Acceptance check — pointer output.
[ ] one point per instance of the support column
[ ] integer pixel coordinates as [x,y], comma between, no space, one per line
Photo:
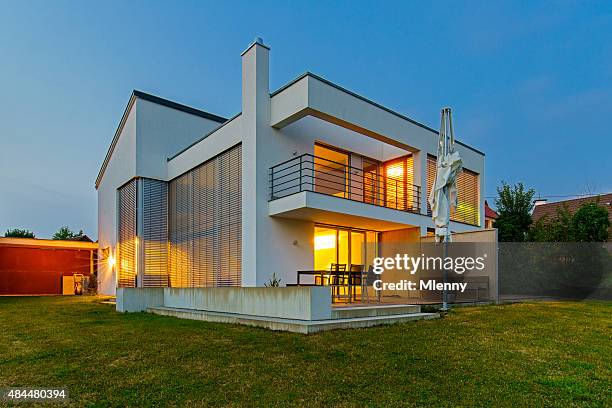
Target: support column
[420,178]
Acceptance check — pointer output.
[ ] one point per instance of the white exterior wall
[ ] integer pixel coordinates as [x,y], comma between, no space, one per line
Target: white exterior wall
[120,169]
[163,132]
[151,134]
[268,245]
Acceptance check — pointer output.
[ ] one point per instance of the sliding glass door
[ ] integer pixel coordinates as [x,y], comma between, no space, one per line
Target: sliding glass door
[331,171]
[341,245]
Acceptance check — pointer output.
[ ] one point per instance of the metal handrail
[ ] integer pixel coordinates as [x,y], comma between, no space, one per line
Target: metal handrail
[312,173]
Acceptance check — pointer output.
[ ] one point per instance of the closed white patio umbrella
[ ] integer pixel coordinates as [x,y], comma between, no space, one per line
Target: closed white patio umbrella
[443,194]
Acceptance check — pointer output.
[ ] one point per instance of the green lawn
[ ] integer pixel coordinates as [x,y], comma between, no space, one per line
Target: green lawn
[537,354]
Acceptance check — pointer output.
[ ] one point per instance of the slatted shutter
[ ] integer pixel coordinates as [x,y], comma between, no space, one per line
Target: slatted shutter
[467,210]
[411,196]
[181,251]
[155,232]
[127,243]
[205,215]
[230,220]
[431,178]
[399,182]
[468,197]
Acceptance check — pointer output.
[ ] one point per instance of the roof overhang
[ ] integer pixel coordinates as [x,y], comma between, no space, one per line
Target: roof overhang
[312,95]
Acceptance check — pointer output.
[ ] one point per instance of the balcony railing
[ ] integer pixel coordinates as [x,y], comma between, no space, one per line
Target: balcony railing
[320,175]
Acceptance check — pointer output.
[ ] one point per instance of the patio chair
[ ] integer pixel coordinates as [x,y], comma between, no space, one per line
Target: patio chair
[356,278]
[326,280]
[336,280]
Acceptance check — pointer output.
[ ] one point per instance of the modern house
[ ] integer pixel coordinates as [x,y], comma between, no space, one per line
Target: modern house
[304,177]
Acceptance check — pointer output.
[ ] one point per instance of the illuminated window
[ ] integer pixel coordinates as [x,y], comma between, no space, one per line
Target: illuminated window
[373,186]
[467,210]
[325,242]
[347,246]
[399,179]
[331,171]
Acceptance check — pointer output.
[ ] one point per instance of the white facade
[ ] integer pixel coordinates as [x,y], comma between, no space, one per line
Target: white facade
[161,141]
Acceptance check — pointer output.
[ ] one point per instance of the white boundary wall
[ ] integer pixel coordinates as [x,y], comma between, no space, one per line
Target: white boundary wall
[301,303]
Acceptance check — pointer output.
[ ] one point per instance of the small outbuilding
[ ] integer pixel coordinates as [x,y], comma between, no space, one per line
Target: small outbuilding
[44,266]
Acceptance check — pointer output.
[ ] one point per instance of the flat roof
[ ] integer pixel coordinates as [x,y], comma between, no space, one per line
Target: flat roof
[157,100]
[340,88]
[47,243]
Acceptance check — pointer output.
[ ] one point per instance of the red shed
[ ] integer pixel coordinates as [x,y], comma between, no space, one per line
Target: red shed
[38,266]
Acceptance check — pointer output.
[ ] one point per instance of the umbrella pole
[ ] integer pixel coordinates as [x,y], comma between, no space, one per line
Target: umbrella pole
[445,276]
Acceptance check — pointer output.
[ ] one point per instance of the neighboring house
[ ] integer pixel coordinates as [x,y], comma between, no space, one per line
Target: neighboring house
[82,238]
[490,215]
[30,266]
[550,210]
[305,176]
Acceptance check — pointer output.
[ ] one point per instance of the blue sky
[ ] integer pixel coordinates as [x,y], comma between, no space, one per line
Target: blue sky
[530,84]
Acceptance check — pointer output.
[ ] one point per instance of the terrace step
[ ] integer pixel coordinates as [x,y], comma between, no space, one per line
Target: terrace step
[344,312]
[291,325]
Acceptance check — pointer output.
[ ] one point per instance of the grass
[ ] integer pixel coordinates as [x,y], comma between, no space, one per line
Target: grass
[529,354]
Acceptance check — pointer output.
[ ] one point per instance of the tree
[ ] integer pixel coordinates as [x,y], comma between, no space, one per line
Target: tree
[19,233]
[514,205]
[66,233]
[591,223]
[558,229]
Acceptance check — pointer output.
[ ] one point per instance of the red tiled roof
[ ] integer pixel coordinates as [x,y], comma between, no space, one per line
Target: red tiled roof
[489,212]
[550,209]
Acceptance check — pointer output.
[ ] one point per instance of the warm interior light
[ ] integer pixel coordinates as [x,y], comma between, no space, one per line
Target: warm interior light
[396,171]
[326,241]
[111,261]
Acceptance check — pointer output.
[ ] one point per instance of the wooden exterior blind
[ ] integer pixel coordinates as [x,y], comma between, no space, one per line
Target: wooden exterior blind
[431,178]
[468,199]
[467,210]
[399,184]
[127,241]
[205,224]
[155,232]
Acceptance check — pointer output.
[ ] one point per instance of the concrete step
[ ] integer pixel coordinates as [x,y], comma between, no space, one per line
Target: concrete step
[345,312]
[291,325]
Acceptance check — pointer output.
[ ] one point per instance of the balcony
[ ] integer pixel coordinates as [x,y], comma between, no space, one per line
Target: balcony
[309,173]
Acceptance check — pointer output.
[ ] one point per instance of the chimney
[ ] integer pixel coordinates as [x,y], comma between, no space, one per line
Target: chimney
[539,201]
[256,81]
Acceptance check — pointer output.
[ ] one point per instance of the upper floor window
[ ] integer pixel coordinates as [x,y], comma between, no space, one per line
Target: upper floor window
[331,171]
[468,208]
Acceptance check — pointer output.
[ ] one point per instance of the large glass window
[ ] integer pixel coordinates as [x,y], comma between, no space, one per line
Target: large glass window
[340,245]
[399,183]
[331,171]
[373,187]
[325,247]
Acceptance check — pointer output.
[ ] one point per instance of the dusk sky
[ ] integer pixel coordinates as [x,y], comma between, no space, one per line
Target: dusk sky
[530,85]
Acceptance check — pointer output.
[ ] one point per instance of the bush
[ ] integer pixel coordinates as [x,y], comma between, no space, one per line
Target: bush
[589,224]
